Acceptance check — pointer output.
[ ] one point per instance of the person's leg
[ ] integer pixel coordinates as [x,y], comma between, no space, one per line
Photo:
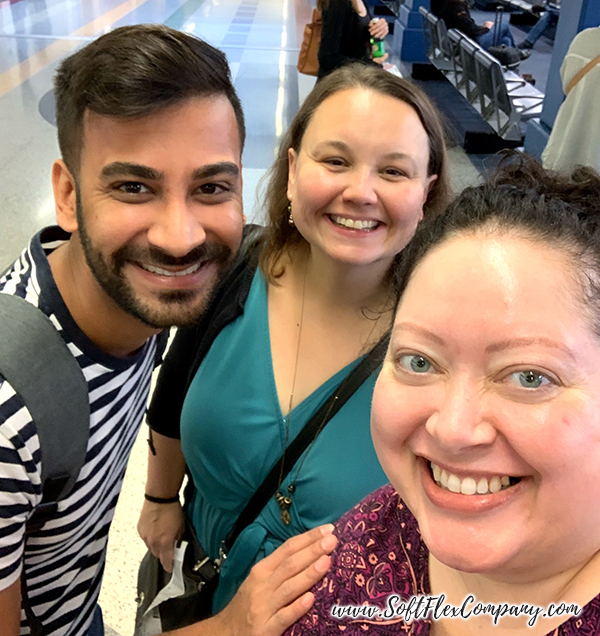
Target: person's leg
[486,39]
[537,30]
[97,626]
[506,36]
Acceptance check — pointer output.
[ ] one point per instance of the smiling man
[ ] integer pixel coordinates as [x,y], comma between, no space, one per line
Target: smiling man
[149,202]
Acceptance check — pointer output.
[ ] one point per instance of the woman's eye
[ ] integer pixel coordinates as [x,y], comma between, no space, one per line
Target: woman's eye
[133,187]
[336,162]
[529,379]
[415,363]
[394,172]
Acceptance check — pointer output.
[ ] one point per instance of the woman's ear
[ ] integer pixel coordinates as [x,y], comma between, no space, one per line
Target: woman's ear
[65,198]
[292,159]
[428,185]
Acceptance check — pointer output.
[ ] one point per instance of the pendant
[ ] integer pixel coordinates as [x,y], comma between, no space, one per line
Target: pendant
[284,504]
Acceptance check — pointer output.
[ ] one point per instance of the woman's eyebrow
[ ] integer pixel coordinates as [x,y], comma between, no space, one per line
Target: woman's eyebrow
[513,343]
[419,331]
[338,145]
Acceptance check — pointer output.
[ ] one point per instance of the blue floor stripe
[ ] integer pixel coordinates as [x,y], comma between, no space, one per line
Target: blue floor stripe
[182,15]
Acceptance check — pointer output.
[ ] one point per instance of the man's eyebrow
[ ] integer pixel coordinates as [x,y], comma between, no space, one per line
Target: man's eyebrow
[126,169]
[420,331]
[513,343]
[215,169]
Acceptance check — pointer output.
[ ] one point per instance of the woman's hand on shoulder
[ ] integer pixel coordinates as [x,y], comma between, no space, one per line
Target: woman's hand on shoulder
[160,527]
[378,28]
[276,593]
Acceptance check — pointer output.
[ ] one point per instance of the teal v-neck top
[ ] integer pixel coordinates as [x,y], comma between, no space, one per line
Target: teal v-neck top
[233,431]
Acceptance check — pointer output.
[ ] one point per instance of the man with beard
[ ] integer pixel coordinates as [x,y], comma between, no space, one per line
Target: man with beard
[148,198]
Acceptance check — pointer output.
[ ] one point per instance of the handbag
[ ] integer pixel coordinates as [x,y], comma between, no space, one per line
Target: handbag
[308,59]
[507,55]
[168,601]
[195,576]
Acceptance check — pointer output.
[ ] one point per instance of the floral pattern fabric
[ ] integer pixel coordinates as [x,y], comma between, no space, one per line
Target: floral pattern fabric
[381,553]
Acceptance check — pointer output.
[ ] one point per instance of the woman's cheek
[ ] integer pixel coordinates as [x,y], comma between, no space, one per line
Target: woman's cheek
[387,419]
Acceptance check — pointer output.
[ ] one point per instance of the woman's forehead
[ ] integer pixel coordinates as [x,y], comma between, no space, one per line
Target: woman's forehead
[506,280]
[346,107]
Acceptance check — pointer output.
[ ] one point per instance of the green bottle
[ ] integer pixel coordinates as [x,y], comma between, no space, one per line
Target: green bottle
[377,45]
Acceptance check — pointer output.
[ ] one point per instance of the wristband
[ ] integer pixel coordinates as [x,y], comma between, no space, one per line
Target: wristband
[161,500]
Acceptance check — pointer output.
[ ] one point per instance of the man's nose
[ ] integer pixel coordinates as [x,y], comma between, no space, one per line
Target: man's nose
[459,422]
[177,228]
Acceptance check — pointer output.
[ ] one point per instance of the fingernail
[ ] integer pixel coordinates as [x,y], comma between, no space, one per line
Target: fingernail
[327,529]
[308,599]
[322,564]
[328,543]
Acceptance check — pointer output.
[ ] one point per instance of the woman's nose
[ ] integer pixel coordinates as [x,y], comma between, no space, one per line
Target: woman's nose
[459,422]
[360,189]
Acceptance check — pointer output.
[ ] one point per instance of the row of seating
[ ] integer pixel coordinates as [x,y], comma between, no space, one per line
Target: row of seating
[502,97]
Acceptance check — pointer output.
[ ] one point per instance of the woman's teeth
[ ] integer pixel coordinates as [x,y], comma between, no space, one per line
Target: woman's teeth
[356,225]
[470,485]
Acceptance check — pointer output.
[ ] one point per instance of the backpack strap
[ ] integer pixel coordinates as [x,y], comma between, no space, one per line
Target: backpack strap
[37,363]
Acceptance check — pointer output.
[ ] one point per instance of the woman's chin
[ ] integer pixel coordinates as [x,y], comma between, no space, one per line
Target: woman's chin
[470,553]
[471,563]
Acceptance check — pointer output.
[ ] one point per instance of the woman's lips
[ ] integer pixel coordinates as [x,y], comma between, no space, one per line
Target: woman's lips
[467,503]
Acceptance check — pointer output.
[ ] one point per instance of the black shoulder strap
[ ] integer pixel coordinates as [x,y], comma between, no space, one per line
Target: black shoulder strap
[230,297]
[313,427]
[37,363]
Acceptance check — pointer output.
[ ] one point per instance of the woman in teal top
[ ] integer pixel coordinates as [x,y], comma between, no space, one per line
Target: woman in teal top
[363,161]
[226,401]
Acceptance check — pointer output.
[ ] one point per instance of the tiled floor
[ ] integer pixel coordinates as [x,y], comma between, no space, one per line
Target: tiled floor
[261,40]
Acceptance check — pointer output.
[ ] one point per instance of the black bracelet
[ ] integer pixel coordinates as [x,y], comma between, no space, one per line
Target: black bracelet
[161,500]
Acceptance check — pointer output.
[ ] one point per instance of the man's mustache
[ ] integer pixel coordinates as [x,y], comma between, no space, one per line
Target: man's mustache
[158,257]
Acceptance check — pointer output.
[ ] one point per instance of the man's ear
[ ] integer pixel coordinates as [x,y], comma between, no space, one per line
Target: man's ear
[63,185]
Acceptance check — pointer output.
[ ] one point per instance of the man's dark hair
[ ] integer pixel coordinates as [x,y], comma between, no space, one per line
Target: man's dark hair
[132,72]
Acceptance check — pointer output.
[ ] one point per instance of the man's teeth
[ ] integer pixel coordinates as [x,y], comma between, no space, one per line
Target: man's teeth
[165,272]
[357,225]
[468,485]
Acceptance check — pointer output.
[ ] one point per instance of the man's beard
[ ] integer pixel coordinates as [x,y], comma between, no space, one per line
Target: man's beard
[178,307]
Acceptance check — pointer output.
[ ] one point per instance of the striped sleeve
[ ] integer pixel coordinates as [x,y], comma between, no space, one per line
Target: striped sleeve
[20,484]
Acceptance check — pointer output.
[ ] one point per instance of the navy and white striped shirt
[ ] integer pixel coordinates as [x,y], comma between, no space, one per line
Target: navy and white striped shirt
[65,560]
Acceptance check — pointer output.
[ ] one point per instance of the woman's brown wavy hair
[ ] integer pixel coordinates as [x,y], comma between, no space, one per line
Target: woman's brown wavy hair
[280,235]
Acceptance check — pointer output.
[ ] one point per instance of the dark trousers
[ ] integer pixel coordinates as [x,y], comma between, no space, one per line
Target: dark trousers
[97,626]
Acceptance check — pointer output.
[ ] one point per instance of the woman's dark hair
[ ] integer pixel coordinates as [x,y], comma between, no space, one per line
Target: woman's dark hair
[525,200]
[280,235]
[132,72]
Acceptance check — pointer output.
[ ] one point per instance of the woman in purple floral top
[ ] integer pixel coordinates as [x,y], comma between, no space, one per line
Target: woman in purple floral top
[486,419]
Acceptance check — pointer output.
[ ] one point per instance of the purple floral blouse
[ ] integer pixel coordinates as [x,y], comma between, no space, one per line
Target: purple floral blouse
[380,553]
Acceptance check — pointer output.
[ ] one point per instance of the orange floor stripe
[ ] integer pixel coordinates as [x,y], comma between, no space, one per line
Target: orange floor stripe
[26,69]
